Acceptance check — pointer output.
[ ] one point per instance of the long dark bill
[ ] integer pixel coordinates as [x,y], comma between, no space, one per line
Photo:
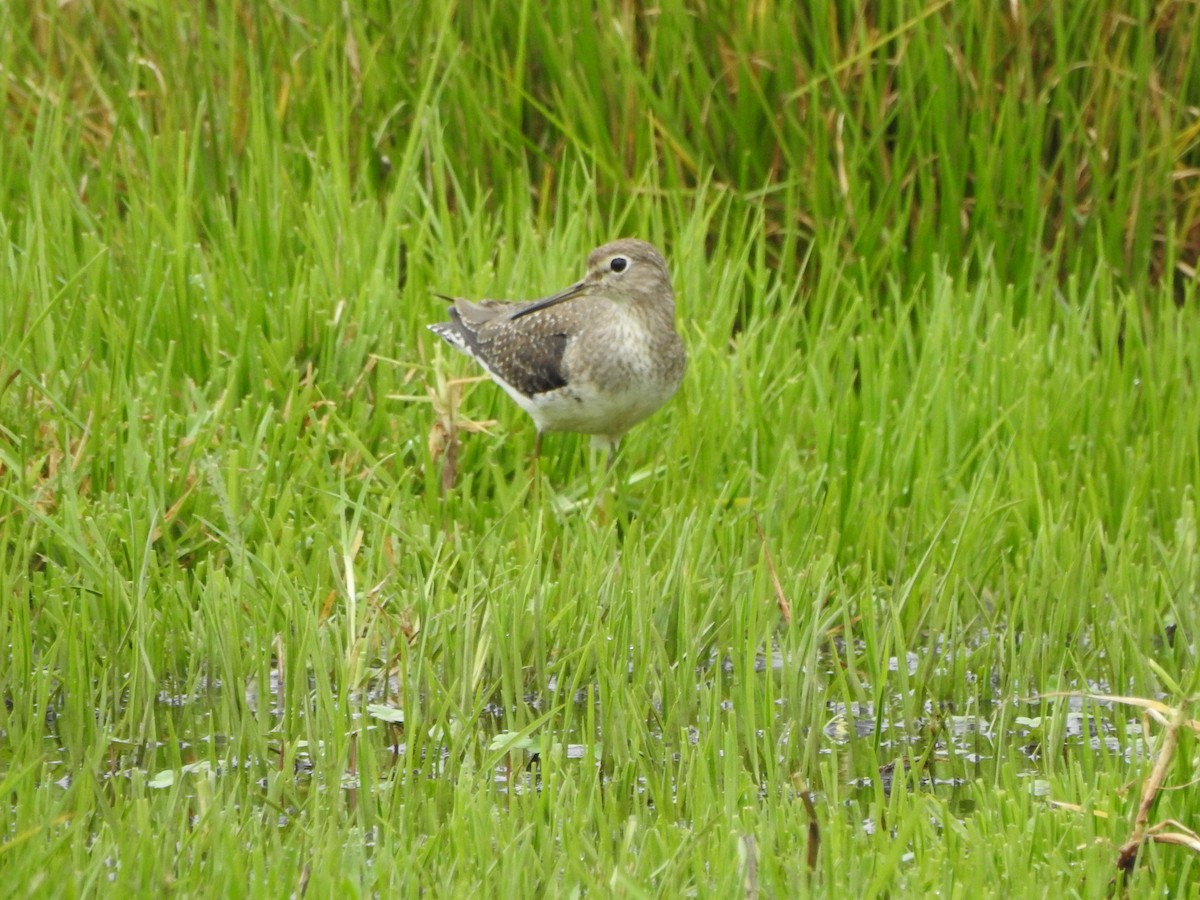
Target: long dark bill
[549,301]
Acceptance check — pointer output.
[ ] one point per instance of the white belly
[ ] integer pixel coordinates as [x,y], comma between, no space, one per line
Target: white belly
[585,408]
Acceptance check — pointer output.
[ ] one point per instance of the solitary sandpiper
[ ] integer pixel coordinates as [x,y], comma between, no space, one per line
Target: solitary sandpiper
[595,358]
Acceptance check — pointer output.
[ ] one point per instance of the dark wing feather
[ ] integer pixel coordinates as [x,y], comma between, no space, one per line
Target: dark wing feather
[527,353]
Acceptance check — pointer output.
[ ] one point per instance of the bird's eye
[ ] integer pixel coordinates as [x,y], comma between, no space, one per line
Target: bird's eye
[619,264]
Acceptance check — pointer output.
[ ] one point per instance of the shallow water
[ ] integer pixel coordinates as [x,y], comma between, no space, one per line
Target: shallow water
[949,750]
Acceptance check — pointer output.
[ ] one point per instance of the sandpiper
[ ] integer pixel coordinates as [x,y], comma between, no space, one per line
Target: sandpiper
[595,358]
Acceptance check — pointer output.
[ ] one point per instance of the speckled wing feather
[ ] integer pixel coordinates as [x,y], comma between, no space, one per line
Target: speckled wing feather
[526,353]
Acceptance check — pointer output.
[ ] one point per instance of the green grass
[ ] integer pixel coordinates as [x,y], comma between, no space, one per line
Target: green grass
[935,266]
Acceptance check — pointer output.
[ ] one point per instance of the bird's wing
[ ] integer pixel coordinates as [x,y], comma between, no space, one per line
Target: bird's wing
[526,353]
[478,313]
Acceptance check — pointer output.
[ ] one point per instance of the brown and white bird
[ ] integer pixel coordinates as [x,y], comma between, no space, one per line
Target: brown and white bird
[595,358]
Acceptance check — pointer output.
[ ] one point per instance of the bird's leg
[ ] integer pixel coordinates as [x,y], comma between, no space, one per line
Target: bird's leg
[533,461]
[602,505]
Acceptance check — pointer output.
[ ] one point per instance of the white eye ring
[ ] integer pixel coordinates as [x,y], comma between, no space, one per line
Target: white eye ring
[618,264]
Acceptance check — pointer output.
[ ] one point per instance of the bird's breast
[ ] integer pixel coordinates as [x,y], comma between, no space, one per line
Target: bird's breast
[626,356]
